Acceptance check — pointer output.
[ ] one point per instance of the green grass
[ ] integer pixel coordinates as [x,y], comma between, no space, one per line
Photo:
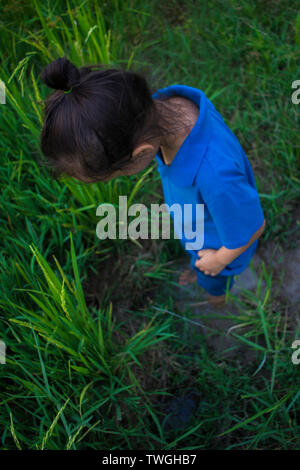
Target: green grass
[95,344]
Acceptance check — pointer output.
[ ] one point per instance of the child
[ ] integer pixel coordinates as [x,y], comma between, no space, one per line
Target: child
[104,123]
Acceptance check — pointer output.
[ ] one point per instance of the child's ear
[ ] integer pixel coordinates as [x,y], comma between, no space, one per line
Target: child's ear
[142,149]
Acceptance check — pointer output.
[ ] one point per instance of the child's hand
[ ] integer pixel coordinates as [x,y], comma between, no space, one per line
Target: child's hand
[209,263]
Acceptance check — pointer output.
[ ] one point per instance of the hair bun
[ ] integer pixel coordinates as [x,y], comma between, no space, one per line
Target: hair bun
[60,74]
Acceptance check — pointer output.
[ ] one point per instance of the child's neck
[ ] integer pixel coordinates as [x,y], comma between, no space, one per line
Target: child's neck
[167,156]
[171,144]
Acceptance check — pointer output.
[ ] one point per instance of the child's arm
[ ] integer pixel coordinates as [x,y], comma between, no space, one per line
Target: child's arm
[214,261]
[226,256]
[234,205]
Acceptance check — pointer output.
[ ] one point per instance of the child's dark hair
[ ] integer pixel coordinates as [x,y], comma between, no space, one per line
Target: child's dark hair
[91,131]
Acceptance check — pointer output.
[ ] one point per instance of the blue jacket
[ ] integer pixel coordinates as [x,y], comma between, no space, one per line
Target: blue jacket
[211,168]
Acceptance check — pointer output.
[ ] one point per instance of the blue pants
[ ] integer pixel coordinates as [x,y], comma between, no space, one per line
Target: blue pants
[214,285]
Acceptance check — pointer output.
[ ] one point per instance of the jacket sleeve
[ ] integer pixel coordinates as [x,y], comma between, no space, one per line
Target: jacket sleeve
[234,205]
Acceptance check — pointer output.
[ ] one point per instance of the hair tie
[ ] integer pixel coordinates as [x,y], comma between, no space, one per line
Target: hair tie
[68,91]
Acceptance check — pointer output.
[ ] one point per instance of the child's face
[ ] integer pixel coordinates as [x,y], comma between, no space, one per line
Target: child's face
[141,158]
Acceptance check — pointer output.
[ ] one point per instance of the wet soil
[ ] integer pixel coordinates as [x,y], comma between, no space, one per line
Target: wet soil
[274,267]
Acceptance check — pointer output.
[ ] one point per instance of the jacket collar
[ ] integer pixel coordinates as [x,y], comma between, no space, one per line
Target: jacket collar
[187,160]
